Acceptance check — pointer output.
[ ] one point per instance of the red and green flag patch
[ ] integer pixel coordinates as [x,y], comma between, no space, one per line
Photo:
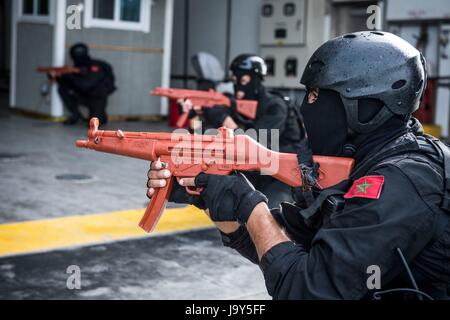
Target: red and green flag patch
[368,187]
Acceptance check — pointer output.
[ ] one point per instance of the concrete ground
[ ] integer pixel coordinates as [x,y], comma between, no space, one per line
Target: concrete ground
[186,265]
[33,153]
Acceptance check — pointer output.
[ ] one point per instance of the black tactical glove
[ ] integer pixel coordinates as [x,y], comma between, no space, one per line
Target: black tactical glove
[229,198]
[215,116]
[179,195]
[191,114]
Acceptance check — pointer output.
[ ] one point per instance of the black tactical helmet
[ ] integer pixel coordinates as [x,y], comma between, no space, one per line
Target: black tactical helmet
[79,50]
[251,63]
[369,65]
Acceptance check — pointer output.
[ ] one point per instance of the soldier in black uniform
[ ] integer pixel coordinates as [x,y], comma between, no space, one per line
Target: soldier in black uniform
[274,113]
[389,221]
[91,87]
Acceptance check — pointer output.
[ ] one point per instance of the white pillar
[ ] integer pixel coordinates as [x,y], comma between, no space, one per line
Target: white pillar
[167,54]
[59,42]
[327,20]
[13,81]
[379,19]
[326,27]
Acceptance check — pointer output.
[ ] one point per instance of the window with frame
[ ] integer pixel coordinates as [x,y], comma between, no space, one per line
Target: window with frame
[118,14]
[35,10]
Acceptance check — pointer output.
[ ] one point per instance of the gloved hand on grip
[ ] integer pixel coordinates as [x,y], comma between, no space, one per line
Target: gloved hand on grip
[157,178]
[228,198]
[216,116]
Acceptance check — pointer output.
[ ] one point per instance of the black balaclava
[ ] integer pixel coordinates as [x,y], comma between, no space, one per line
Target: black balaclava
[325,123]
[80,55]
[328,134]
[253,90]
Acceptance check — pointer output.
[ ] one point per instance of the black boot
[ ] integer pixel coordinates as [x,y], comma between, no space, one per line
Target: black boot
[71,121]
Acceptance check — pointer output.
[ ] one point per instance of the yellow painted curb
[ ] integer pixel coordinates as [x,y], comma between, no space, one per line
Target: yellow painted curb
[433,130]
[44,235]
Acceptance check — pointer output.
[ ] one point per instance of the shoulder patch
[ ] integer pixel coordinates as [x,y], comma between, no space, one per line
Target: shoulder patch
[368,187]
[95,68]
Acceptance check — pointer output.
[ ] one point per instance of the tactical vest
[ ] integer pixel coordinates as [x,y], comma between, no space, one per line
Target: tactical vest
[291,133]
[331,201]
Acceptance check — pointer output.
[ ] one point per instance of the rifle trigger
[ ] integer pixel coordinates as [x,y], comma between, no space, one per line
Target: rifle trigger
[194,191]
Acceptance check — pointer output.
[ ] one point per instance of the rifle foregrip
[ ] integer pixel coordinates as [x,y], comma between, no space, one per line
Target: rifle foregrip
[247,108]
[156,207]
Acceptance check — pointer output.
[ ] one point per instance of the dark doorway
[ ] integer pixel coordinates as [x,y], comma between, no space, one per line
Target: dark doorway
[5,52]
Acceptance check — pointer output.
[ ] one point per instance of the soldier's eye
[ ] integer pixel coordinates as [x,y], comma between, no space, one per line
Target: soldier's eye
[245,80]
[313,94]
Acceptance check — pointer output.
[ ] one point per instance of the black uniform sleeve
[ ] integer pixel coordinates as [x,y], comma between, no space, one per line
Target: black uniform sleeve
[241,242]
[367,232]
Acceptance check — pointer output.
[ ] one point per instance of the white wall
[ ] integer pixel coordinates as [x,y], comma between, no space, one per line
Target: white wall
[7,40]
[137,72]
[245,27]
[315,33]
[411,10]
[207,31]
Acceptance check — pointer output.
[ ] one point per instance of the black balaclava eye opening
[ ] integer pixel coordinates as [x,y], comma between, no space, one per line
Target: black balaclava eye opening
[253,89]
[326,123]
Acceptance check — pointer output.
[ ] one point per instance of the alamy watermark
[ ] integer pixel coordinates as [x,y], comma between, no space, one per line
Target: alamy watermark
[374,13]
[374,280]
[74,280]
[73,21]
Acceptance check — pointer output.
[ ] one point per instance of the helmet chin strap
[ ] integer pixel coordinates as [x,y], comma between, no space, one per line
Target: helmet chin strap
[349,150]
[352,111]
[357,128]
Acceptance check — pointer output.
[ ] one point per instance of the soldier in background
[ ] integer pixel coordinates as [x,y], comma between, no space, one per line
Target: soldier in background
[274,113]
[90,87]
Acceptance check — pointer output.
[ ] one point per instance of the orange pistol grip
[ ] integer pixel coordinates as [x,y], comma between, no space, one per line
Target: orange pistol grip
[156,207]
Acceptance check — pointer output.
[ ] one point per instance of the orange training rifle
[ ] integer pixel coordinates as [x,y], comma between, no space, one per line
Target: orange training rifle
[206,99]
[188,155]
[56,72]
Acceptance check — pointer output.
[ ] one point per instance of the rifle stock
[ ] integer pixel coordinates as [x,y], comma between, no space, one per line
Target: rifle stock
[55,72]
[188,155]
[206,99]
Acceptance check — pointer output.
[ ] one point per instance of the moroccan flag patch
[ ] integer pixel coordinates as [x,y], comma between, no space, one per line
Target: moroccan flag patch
[368,187]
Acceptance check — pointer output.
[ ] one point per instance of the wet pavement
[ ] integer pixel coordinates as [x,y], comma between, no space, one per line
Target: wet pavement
[37,160]
[191,265]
